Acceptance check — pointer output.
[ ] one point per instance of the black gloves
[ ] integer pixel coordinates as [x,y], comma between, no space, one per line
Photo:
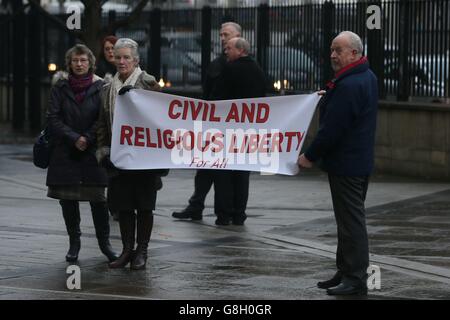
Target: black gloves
[161,172]
[107,164]
[125,89]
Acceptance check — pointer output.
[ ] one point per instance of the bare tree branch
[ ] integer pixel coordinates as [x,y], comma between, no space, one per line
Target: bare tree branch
[124,22]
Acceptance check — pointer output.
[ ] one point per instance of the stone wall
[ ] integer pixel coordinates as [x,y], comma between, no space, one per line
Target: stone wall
[413,139]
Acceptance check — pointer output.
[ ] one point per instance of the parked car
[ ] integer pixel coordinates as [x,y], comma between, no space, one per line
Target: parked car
[141,36]
[178,68]
[292,68]
[427,73]
[308,42]
[188,42]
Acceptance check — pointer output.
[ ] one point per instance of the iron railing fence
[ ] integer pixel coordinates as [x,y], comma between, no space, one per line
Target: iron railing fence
[410,54]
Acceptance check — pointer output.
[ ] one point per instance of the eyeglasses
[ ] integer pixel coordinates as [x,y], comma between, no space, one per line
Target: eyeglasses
[82,61]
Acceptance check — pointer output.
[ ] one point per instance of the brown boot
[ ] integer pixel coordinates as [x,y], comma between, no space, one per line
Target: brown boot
[127,223]
[144,231]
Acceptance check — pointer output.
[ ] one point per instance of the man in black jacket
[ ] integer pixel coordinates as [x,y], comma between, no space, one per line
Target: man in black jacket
[213,89]
[243,79]
[344,145]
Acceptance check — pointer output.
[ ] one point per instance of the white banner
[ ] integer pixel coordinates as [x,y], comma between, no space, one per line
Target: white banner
[154,130]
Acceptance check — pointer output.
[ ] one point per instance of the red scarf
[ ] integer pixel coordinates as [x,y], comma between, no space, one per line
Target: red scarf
[351,65]
[331,84]
[80,85]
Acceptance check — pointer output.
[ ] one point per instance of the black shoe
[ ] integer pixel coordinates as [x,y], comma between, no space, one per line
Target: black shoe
[221,221]
[107,250]
[74,249]
[345,289]
[239,221]
[333,282]
[188,214]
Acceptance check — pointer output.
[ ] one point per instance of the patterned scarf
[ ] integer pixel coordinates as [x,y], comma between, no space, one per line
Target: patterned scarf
[116,84]
[80,85]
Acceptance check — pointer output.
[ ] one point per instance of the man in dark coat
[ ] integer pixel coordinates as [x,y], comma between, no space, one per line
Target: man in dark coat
[243,79]
[344,145]
[213,89]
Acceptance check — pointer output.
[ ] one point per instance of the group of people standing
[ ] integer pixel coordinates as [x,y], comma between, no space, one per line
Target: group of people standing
[232,75]
[80,117]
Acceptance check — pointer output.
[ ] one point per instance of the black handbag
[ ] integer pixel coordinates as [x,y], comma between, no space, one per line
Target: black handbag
[42,149]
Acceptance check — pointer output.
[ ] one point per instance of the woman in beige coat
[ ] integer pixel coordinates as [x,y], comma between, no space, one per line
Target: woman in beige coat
[132,193]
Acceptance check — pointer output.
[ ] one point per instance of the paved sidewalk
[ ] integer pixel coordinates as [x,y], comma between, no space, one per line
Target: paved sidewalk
[286,246]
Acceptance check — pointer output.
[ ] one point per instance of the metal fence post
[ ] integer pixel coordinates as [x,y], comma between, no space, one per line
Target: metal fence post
[327,30]
[375,53]
[18,116]
[185,75]
[404,87]
[262,35]
[154,58]
[34,70]
[112,14]
[206,40]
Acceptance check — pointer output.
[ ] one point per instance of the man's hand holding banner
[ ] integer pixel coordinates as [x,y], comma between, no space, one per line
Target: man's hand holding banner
[153,130]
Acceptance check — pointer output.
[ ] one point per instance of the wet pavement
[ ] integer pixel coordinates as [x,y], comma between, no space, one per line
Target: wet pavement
[287,244]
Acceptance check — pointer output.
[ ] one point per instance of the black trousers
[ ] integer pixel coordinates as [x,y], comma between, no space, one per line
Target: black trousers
[202,184]
[231,193]
[352,256]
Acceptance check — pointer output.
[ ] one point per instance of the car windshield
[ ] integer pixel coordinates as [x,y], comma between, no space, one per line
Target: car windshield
[289,58]
[184,42]
[174,58]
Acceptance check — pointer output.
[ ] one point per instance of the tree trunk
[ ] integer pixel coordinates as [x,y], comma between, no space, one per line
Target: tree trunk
[91,27]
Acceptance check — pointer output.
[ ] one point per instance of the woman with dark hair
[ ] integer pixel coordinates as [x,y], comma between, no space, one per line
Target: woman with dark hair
[105,66]
[73,174]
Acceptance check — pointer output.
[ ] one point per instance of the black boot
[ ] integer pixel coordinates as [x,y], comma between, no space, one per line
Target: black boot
[101,223]
[127,223]
[144,231]
[71,214]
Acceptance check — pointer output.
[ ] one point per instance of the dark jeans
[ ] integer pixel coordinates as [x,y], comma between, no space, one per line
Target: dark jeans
[202,184]
[352,256]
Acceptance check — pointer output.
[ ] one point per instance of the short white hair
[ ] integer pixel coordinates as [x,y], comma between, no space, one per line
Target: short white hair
[128,43]
[241,44]
[355,41]
[234,25]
